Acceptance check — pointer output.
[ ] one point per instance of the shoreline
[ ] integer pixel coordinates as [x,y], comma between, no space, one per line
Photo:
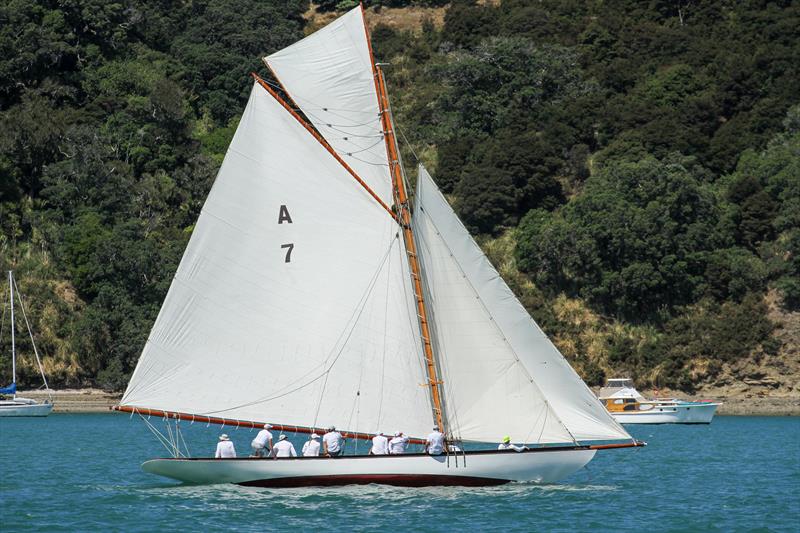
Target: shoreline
[99,401]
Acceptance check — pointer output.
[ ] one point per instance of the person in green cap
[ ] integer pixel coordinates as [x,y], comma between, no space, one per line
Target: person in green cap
[506,445]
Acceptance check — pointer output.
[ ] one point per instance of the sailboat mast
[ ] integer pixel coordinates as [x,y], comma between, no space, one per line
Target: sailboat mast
[404,212]
[13,345]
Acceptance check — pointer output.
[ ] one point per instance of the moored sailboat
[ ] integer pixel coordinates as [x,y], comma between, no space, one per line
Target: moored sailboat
[15,405]
[313,292]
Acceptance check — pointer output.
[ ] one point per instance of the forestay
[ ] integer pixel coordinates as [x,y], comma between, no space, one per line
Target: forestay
[290,303]
[330,77]
[502,375]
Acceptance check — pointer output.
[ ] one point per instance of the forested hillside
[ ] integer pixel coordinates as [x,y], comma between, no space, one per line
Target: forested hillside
[632,168]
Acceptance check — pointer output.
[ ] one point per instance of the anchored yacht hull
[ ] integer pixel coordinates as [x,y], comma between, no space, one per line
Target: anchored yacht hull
[671,413]
[23,407]
[414,470]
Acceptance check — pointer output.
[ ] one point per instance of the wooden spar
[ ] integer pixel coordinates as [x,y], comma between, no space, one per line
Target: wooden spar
[241,423]
[402,206]
[325,144]
[634,444]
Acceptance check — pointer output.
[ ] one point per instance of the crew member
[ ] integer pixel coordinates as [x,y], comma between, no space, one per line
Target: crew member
[332,443]
[283,448]
[506,445]
[225,448]
[380,445]
[262,444]
[311,447]
[434,444]
[398,444]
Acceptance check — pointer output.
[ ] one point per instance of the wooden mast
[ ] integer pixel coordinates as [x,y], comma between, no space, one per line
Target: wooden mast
[402,208]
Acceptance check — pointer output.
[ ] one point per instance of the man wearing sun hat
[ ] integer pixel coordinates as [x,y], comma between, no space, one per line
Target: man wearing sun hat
[311,447]
[225,448]
[262,444]
[398,444]
[284,448]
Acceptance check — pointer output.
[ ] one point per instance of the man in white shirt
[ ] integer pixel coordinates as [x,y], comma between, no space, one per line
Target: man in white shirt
[311,447]
[262,444]
[284,448]
[398,444]
[506,445]
[225,448]
[332,443]
[380,445]
[434,444]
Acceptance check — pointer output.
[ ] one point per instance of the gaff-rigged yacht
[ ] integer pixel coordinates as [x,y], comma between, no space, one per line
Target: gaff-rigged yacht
[313,292]
[16,406]
[627,406]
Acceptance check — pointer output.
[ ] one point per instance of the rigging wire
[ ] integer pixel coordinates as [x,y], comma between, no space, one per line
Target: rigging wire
[30,333]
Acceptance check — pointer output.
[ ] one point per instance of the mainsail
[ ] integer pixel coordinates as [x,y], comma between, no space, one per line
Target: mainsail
[290,304]
[502,375]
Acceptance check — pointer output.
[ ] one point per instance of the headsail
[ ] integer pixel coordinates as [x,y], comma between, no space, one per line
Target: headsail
[290,304]
[329,75]
[502,374]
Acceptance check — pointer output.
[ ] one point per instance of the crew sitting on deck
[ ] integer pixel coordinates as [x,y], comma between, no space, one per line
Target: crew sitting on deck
[380,445]
[398,444]
[311,447]
[332,443]
[262,444]
[506,445]
[434,444]
[283,448]
[225,448]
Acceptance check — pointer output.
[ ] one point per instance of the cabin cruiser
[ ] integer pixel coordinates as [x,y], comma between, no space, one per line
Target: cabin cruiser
[627,406]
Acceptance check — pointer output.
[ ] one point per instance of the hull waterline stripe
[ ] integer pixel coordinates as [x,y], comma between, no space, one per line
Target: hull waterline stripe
[241,423]
[398,480]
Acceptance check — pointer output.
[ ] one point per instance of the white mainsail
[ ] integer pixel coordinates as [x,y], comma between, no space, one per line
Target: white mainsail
[290,304]
[502,375]
[330,76]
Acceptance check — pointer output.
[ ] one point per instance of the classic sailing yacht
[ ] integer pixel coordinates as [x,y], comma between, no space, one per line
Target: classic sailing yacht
[313,293]
[17,406]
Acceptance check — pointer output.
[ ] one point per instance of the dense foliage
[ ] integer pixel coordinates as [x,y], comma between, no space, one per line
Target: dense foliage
[644,157]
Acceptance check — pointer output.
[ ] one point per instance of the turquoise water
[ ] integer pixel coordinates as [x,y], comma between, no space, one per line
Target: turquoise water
[81,472]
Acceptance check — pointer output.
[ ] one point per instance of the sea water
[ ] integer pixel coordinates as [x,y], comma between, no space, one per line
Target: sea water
[81,473]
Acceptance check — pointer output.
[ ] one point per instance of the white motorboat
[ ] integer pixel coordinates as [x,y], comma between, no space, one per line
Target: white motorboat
[627,406]
[10,403]
[313,291]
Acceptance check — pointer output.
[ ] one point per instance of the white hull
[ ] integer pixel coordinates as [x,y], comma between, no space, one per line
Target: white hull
[472,468]
[690,413]
[23,407]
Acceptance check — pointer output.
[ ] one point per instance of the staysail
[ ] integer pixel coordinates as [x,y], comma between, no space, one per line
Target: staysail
[290,304]
[329,75]
[502,375]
